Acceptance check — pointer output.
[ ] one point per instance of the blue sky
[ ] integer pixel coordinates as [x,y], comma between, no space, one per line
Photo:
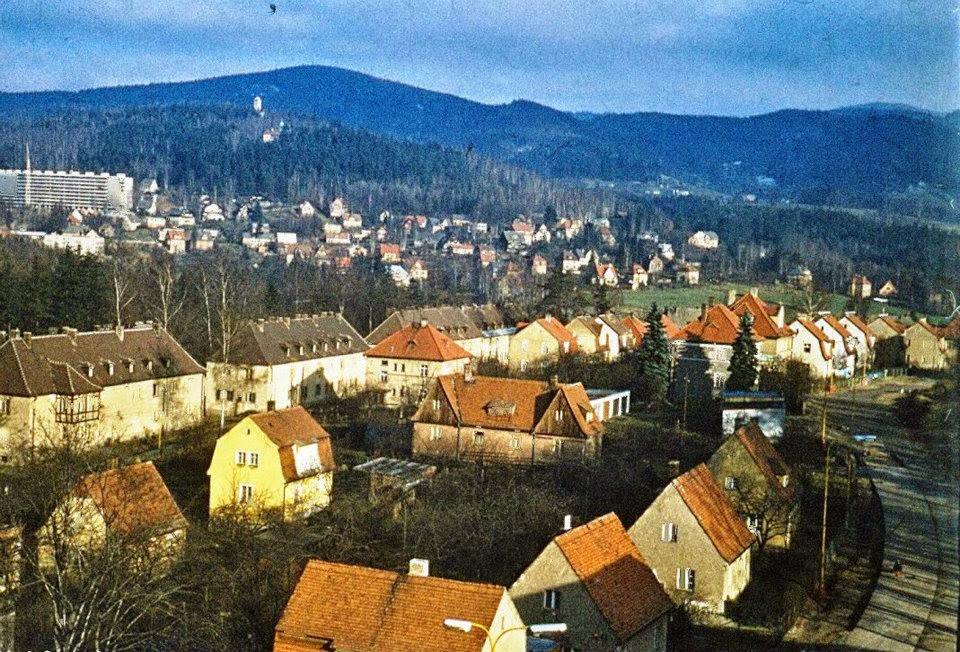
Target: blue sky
[683,56]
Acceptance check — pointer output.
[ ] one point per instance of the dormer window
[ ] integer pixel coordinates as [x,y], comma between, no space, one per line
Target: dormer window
[149,365]
[129,366]
[299,349]
[558,415]
[313,347]
[109,368]
[89,370]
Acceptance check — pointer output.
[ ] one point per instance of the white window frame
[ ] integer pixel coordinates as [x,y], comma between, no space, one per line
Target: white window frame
[240,458]
[424,370]
[730,482]
[668,532]
[550,599]
[686,579]
[253,459]
[244,493]
[435,433]
[558,414]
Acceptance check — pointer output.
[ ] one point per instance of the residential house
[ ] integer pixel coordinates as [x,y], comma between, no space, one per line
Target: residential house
[389,252]
[505,419]
[638,328]
[860,287]
[480,329]
[604,335]
[605,274]
[352,221]
[288,361]
[402,364]
[131,502]
[924,347]
[418,270]
[758,483]
[655,265]
[458,248]
[345,607]
[486,255]
[338,207]
[570,263]
[694,541]
[79,239]
[704,240]
[540,342]
[702,353]
[306,209]
[888,289]
[687,273]
[801,278]
[863,336]
[112,384]
[272,462]
[812,346]
[640,277]
[845,360]
[594,579]
[399,275]
[888,342]
[774,339]
[539,265]
[609,403]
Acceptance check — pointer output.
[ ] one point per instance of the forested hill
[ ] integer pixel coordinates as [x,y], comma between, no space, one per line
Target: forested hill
[219,149]
[855,155]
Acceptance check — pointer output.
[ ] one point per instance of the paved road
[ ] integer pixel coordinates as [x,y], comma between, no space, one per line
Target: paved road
[918,488]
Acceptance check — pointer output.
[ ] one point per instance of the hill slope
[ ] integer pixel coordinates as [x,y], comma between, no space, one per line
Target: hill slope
[854,155]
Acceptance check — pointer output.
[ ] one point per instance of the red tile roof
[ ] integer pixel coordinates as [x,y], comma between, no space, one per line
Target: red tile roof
[295,426]
[951,330]
[615,575]
[712,509]
[767,459]
[133,500]
[418,342]
[719,326]
[815,330]
[639,327]
[762,312]
[343,607]
[835,324]
[893,323]
[859,324]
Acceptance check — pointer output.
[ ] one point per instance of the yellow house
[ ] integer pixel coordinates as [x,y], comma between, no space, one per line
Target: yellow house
[924,346]
[279,462]
[541,342]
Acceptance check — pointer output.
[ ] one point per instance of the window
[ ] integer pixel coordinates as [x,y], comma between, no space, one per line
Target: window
[515,443]
[424,369]
[156,389]
[253,459]
[383,376]
[668,532]
[806,347]
[248,374]
[551,599]
[245,493]
[241,458]
[271,406]
[544,348]
[524,345]
[754,522]
[251,397]
[686,579]
[109,368]
[558,415]
[129,366]
[4,405]
[478,438]
[566,347]
[436,404]
[557,446]
[523,365]
[718,381]
[434,433]
[729,482]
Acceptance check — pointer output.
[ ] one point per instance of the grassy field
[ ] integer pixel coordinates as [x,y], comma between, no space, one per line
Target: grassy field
[692,297]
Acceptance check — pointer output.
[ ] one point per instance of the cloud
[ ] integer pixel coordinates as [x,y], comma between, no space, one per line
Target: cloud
[702,56]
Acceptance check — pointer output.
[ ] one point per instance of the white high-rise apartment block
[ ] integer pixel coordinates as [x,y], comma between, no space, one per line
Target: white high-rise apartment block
[48,188]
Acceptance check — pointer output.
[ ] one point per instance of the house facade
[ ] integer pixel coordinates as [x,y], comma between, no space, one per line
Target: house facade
[812,346]
[595,580]
[278,462]
[402,365]
[506,419]
[758,483]
[845,361]
[924,347]
[282,362]
[101,386]
[344,607]
[540,342]
[694,541]
[888,343]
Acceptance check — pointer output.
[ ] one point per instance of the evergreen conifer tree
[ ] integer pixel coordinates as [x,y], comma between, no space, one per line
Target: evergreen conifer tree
[654,359]
[743,363]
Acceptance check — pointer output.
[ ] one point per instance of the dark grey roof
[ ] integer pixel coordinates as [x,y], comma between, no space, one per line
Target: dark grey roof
[306,337]
[456,322]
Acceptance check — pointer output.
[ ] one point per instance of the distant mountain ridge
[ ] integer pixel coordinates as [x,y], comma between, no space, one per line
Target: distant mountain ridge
[853,155]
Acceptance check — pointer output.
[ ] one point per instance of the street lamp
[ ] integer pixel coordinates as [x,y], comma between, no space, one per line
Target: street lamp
[466,626]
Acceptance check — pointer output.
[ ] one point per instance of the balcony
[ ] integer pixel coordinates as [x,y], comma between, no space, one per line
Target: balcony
[78,409]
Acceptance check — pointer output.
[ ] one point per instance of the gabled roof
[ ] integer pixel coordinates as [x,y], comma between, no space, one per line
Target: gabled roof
[713,511]
[459,323]
[925,325]
[615,575]
[892,323]
[767,459]
[639,327]
[295,427]
[280,340]
[419,342]
[835,324]
[860,325]
[615,323]
[81,363]
[514,404]
[344,607]
[951,330]
[762,312]
[132,499]
[718,326]
[825,342]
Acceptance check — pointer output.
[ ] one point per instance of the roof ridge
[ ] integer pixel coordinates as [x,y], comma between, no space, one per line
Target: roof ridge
[23,376]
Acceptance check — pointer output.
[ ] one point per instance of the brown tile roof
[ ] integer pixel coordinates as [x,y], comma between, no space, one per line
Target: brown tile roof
[951,330]
[762,312]
[927,326]
[559,332]
[825,342]
[280,340]
[343,607]
[835,324]
[712,509]
[419,342]
[295,426]
[639,327]
[719,326]
[513,404]
[51,364]
[767,459]
[133,500]
[893,323]
[615,575]
[859,324]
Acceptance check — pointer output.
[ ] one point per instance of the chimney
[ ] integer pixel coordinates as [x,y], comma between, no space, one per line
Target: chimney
[674,468]
[260,325]
[711,301]
[568,522]
[468,373]
[419,567]
[119,330]
[731,296]
[548,317]
[70,333]
[423,323]
[703,311]
[554,381]
[27,336]
[14,333]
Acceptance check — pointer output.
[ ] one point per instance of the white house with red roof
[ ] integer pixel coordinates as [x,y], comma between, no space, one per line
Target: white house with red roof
[812,346]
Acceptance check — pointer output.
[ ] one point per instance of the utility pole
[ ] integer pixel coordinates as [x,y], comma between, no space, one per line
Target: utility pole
[686,393]
[822,589]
